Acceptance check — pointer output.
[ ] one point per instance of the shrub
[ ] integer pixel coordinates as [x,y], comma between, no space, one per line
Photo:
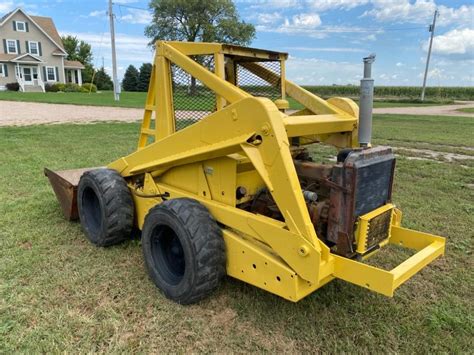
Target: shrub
[54,87]
[71,87]
[59,86]
[89,87]
[12,86]
[50,88]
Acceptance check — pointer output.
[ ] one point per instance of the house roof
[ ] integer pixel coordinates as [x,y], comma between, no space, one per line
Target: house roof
[73,64]
[7,57]
[47,24]
[26,57]
[44,24]
[5,16]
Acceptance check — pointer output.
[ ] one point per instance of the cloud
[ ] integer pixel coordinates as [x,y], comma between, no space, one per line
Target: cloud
[371,37]
[6,6]
[456,44]
[399,64]
[97,13]
[274,4]
[316,5]
[305,21]
[326,49]
[135,16]
[268,18]
[302,24]
[325,5]
[124,2]
[420,12]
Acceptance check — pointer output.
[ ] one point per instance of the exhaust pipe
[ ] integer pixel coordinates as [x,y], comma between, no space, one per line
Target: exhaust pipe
[366,103]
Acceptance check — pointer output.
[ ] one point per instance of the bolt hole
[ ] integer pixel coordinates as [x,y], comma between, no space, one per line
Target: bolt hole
[243,251]
[242,271]
[291,276]
[368,285]
[265,283]
[266,263]
[204,193]
[254,266]
[278,278]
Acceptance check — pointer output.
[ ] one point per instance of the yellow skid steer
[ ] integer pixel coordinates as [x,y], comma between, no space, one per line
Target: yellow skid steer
[222,182]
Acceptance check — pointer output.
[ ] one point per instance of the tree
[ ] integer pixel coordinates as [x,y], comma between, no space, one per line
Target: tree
[197,20]
[144,77]
[130,79]
[102,80]
[82,52]
[77,50]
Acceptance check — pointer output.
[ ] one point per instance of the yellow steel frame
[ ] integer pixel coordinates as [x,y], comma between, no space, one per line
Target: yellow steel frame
[245,142]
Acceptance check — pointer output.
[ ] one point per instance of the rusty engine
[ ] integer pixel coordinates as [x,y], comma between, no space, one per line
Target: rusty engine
[337,194]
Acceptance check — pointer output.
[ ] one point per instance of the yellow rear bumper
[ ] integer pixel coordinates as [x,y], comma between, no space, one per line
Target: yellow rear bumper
[429,247]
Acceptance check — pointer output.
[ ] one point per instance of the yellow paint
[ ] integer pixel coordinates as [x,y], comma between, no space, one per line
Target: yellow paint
[245,142]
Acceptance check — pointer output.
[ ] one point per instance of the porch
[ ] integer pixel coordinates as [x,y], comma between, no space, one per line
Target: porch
[73,71]
[27,73]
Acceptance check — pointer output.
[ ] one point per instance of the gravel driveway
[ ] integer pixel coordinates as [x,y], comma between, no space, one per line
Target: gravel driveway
[445,110]
[15,113]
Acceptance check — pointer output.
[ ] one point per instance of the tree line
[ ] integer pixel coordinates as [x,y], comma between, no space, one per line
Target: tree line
[137,80]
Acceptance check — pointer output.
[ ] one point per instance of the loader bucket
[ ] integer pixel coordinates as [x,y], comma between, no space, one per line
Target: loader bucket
[64,185]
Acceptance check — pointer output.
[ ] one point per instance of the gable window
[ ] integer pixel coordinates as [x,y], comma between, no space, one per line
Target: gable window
[50,73]
[20,26]
[12,46]
[33,47]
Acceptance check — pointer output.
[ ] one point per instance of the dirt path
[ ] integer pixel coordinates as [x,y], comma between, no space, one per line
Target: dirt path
[15,113]
[445,110]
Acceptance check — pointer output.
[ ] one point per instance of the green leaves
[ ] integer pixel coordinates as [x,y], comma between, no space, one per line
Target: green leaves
[198,21]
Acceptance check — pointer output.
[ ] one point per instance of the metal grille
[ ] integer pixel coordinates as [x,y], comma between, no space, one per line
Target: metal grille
[256,86]
[379,229]
[192,100]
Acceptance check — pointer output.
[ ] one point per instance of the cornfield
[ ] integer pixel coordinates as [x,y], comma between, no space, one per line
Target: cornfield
[399,92]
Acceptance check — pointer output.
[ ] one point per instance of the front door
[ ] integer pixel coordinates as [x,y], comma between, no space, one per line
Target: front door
[27,75]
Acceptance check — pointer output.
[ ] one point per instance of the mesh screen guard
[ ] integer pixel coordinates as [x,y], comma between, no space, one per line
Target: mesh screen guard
[192,100]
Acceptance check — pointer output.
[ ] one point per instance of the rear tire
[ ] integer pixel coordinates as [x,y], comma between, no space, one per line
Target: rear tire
[183,249]
[105,207]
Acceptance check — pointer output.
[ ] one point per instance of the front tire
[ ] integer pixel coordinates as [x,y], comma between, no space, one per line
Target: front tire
[183,249]
[105,207]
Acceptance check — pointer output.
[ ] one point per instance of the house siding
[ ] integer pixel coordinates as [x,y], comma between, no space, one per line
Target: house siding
[34,34]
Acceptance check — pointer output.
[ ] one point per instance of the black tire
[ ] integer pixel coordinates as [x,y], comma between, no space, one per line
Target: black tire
[183,249]
[105,207]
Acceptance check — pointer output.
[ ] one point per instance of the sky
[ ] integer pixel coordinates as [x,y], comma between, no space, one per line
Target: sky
[326,39]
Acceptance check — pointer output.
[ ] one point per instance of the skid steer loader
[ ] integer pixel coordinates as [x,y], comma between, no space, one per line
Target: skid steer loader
[222,182]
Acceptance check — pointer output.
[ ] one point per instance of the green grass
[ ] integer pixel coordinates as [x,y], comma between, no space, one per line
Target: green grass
[58,293]
[183,101]
[466,110]
[105,98]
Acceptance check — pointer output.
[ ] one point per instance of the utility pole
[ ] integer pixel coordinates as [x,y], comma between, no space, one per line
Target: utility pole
[432,29]
[114,57]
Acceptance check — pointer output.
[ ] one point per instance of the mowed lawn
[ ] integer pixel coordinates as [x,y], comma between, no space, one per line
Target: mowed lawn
[184,102]
[58,293]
